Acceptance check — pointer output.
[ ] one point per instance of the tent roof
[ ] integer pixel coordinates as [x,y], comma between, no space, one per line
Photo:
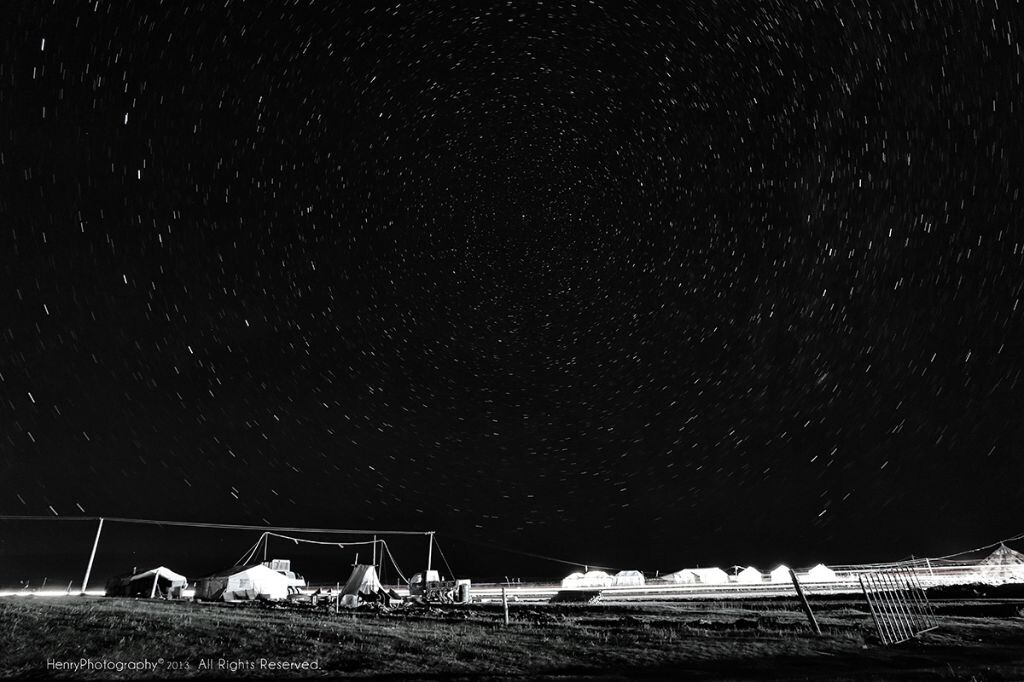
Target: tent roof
[163,571]
[703,571]
[234,570]
[1003,556]
[697,571]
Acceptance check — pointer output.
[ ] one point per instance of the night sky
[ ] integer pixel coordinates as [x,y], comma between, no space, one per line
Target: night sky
[645,285]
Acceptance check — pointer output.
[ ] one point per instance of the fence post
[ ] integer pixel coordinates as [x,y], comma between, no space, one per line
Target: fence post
[803,601]
[504,604]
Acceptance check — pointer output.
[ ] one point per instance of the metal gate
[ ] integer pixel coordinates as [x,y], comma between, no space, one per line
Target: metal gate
[898,604]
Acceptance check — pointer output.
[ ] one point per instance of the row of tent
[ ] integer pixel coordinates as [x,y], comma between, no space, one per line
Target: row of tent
[748,576]
[695,576]
[1001,566]
[237,583]
[596,579]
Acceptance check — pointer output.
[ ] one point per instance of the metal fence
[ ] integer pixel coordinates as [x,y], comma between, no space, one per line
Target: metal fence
[898,604]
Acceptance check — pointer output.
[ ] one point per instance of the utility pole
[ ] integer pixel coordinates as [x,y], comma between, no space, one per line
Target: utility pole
[88,569]
[375,553]
[430,549]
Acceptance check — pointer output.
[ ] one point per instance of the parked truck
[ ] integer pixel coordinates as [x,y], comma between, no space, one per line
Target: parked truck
[431,587]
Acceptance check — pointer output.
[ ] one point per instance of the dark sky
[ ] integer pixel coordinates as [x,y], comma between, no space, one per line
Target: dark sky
[638,284]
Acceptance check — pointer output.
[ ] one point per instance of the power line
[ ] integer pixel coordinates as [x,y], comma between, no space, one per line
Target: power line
[531,554]
[978,549]
[340,545]
[444,558]
[248,556]
[394,563]
[267,532]
[219,526]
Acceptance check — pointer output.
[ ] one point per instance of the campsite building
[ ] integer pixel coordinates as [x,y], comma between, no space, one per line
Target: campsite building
[159,582]
[243,582]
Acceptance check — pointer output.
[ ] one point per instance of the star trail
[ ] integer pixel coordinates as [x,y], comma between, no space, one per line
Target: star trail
[643,283]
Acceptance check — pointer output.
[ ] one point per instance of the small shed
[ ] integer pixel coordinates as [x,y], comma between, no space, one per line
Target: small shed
[240,583]
[749,576]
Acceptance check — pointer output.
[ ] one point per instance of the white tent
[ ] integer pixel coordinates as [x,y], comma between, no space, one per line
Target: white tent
[1003,565]
[164,573]
[698,576]
[749,576]
[821,574]
[710,576]
[363,579]
[243,582]
[780,574]
[629,579]
[572,580]
[590,579]
[156,582]
[683,577]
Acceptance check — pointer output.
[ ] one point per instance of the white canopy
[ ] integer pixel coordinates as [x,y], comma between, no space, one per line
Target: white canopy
[164,573]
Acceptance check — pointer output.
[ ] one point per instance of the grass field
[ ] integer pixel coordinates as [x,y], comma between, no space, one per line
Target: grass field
[123,638]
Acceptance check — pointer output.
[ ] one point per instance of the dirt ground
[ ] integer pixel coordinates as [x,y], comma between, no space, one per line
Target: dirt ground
[101,638]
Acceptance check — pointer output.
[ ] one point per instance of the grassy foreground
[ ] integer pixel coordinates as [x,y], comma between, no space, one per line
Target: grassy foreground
[98,638]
